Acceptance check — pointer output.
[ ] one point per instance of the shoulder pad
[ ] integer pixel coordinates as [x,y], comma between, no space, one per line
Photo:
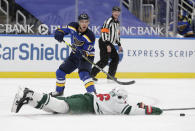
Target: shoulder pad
[74,24]
[90,35]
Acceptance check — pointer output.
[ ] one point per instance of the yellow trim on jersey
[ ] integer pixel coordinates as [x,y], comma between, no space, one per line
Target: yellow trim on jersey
[189,33]
[61,31]
[87,38]
[72,28]
[100,75]
[91,55]
[60,84]
[89,84]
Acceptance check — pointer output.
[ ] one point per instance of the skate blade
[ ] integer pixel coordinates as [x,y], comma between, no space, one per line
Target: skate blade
[16,98]
[14,106]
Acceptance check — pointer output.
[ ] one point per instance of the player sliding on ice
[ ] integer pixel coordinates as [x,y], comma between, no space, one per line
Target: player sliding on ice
[113,103]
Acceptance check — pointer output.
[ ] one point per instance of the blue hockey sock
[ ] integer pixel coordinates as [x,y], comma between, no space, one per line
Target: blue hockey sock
[60,80]
[88,82]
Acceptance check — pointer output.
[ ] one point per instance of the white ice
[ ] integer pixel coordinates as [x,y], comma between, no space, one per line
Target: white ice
[163,93]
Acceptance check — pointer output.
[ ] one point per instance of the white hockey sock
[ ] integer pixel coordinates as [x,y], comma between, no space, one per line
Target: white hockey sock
[48,103]
[56,105]
[35,98]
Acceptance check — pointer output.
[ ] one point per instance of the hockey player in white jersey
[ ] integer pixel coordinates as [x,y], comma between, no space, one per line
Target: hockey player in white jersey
[113,103]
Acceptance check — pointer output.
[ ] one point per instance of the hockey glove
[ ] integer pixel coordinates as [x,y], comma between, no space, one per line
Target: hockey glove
[150,110]
[83,53]
[79,52]
[59,35]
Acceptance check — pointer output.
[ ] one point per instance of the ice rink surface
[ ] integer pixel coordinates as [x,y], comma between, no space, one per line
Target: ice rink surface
[163,93]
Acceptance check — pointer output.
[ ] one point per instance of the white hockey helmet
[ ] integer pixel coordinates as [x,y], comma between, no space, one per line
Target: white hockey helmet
[120,93]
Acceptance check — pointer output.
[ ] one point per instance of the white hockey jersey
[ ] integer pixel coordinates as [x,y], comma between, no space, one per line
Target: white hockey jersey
[109,104]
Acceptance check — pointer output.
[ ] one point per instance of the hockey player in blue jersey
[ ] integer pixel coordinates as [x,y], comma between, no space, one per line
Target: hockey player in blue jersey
[83,39]
[184,26]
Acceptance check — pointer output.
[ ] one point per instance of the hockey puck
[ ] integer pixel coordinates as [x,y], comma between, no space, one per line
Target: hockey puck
[182,114]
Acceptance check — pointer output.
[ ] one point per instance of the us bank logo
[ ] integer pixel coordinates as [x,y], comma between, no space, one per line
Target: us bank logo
[43,29]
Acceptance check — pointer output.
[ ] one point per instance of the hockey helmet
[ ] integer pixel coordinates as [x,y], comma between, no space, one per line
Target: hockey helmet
[116,8]
[83,16]
[120,93]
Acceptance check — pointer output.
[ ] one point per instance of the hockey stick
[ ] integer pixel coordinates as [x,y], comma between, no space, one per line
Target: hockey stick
[175,109]
[114,79]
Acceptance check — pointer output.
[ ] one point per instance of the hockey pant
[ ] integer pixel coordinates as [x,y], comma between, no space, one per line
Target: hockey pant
[71,64]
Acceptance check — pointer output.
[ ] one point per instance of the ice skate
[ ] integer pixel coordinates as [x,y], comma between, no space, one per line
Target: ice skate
[21,98]
[55,94]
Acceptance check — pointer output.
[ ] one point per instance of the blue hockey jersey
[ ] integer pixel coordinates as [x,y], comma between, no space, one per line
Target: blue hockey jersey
[83,41]
[184,26]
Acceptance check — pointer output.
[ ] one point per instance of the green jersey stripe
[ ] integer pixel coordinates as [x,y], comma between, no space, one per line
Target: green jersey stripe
[42,101]
[124,109]
[128,110]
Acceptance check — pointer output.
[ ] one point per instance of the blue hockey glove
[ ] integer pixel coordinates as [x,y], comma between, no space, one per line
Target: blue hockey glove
[59,35]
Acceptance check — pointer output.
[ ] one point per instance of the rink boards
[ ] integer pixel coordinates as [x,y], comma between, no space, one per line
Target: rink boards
[40,56]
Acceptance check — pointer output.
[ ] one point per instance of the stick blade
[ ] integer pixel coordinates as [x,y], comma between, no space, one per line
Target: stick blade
[126,83]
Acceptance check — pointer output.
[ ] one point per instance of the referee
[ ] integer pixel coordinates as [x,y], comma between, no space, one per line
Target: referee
[110,35]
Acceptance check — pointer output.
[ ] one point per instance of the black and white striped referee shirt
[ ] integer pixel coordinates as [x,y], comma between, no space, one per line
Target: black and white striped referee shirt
[110,31]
